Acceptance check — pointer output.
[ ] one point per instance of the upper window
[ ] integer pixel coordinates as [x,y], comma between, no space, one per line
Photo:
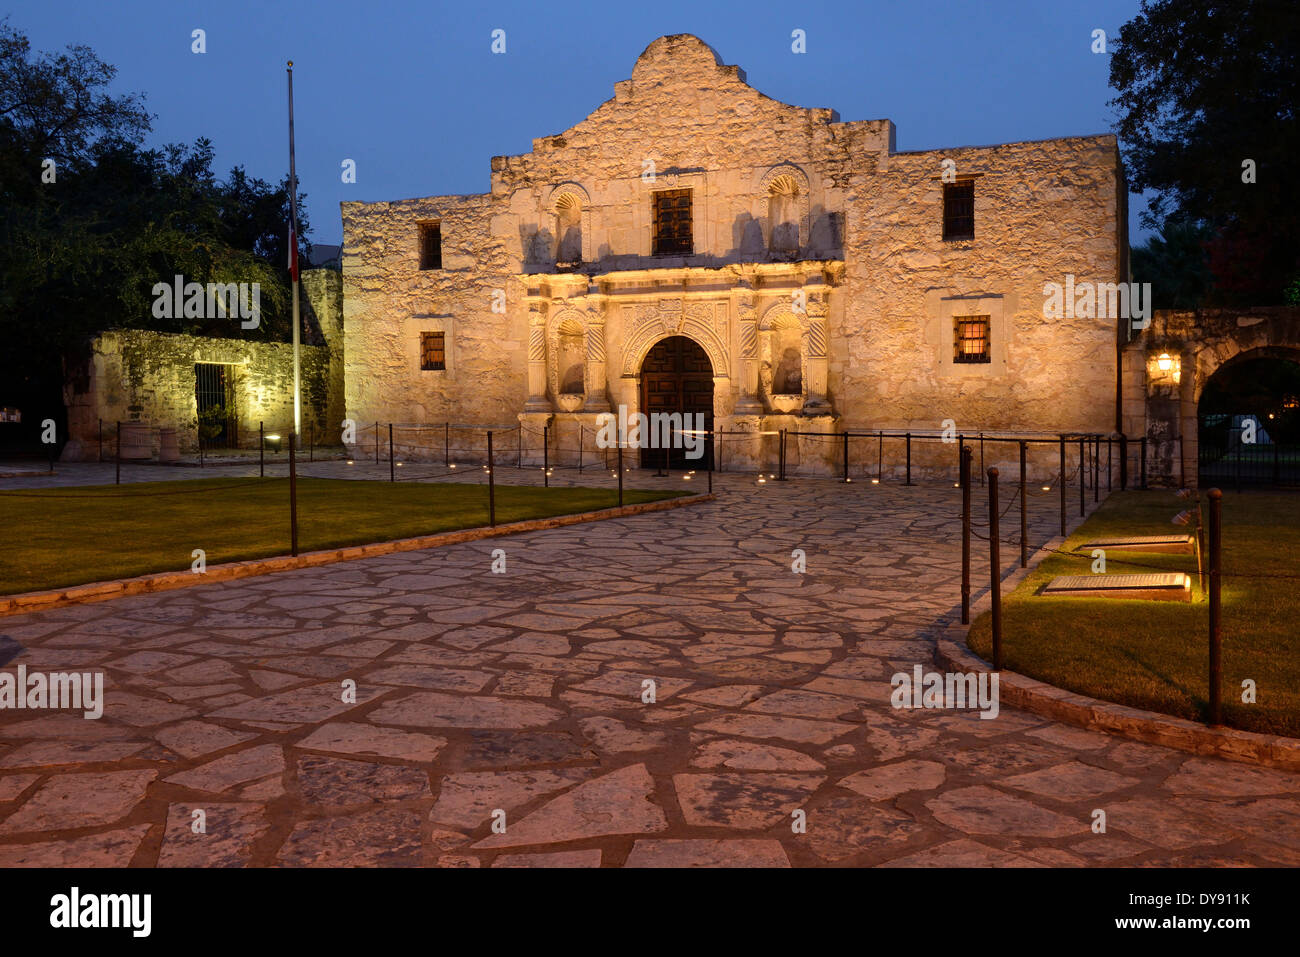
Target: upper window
[430,245]
[433,350]
[672,235]
[959,210]
[970,339]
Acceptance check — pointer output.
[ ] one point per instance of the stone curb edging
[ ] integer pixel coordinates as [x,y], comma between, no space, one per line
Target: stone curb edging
[24,602]
[1049,701]
[1037,697]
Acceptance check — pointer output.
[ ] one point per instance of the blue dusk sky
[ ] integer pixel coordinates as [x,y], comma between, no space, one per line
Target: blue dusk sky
[414,94]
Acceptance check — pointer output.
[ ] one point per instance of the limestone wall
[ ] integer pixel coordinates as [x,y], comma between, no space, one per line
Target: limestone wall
[563,240]
[134,375]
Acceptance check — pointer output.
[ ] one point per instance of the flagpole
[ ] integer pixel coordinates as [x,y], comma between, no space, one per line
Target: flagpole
[293,273]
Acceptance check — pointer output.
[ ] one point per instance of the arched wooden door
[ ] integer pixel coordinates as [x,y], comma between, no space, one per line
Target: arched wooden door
[677,376]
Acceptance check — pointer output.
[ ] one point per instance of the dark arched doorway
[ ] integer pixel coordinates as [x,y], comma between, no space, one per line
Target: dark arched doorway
[1248,419]
[677,377]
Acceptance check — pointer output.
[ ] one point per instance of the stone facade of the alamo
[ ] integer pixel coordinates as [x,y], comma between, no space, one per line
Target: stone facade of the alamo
[802,255]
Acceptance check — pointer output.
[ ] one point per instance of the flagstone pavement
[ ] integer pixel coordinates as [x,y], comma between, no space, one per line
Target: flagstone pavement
[503,719]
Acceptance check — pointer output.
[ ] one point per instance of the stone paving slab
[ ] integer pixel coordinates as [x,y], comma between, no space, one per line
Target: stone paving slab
[655,690]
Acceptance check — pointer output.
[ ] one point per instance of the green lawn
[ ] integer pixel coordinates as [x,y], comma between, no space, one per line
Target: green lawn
[68,536]
[1154,655]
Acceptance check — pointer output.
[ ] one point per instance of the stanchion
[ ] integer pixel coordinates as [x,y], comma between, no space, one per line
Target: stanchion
[1063,485]
[546,455]
[712,460]
[293,496]
[909,459]
[781,472]
[392,473]
[1083,479]
[492,487]
[1216,619]
[981,458]
[964,479]
[995,568]
[961,459]
[1024,512]
[1096,468]
[117,479]
[880,456]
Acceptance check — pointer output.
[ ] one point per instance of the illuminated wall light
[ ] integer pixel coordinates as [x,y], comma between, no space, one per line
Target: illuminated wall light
[1165,362]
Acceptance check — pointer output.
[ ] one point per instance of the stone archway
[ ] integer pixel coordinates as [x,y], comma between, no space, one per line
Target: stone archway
[676,378]
[1245,439]
[1167,367]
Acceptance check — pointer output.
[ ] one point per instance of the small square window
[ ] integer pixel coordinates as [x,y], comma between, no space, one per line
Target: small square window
[672,226]
[959,210]
[433,351]
[431,245]
[970,339]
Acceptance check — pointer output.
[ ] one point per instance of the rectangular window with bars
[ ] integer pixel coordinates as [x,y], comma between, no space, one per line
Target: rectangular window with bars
[959,210]
[672,226]
[433,350]
[971,339]
[431,245]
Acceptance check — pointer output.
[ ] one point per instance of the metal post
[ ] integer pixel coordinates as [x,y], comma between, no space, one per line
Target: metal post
[293,496]
[981,458]
[909,459]
[995,568]
[961,457]
[492,487]
[546,455]
[1123,462]
[1096,468]
[392,472]
[1062,479]
[620,474]
[1024,512]
[846,455]
[712,460]
[781,473]
[964,481]
[1216,619]
[117,480]
[1083,479]
[261,449]
[880,456]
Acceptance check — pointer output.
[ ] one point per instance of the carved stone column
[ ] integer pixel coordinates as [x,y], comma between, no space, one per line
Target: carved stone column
[537,401]
[747,320]
[597,387]
[815,352]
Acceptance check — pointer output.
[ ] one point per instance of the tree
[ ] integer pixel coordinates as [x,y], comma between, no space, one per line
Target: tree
[82,251]
[1203,87]
[1176,264]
